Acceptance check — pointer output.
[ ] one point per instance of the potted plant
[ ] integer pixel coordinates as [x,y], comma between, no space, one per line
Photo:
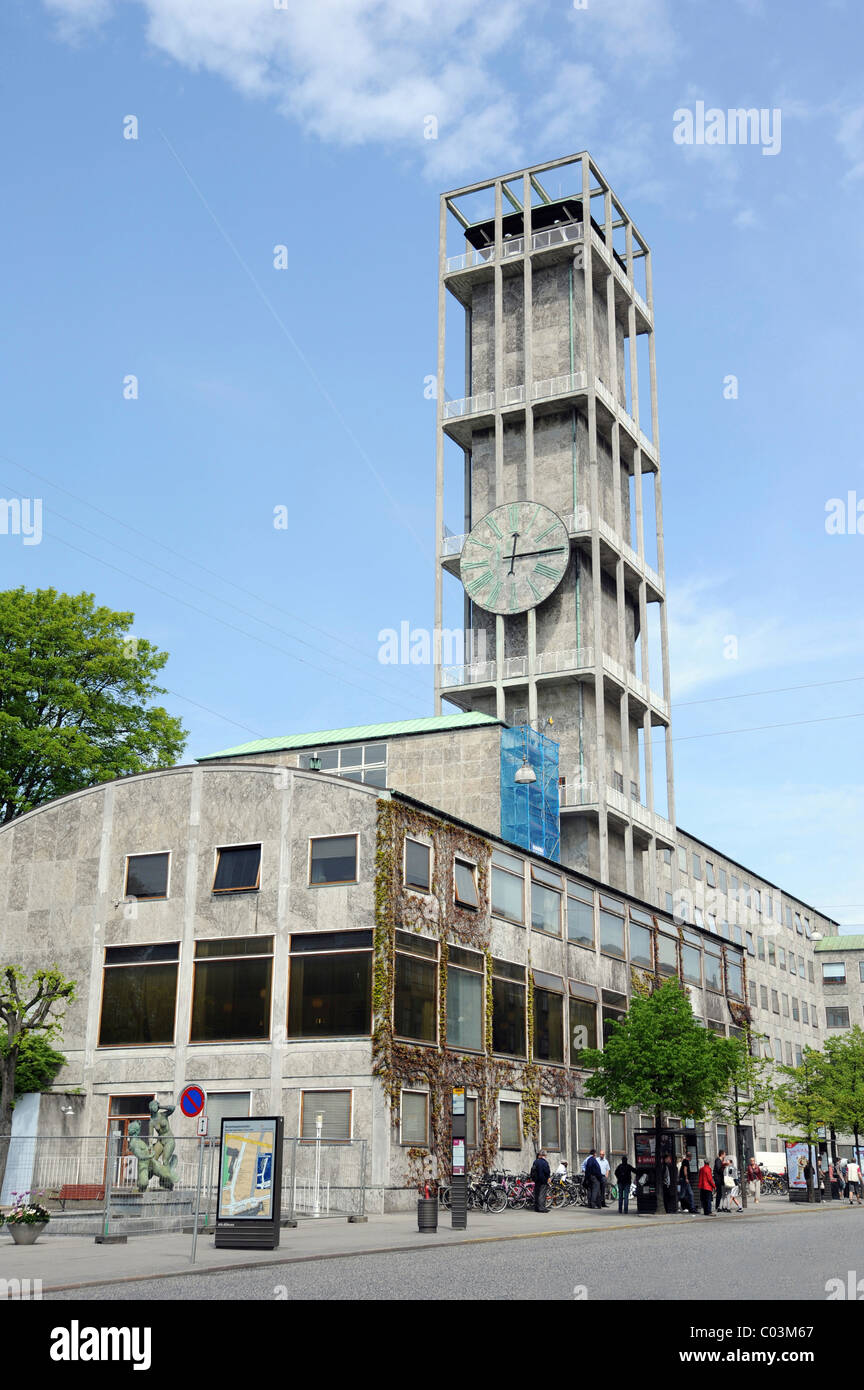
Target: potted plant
[28,1218]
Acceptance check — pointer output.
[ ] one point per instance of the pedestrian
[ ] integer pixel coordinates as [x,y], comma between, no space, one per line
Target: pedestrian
[753,1178]
[706,1187]
[561,1171]
[594,1177]
[624,1178]
[834,1180]
[718,1174]
[685,1187]
[854,1174]
[604,1168]
[540,1175]
[732,1181]
[670,1184]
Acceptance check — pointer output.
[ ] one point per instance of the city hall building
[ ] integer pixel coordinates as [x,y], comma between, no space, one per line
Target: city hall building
[349,922]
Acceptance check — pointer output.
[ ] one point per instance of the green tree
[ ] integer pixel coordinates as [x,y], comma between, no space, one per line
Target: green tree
[29,1006]
[38,1062]
[800,1102]
[751,1086]
[75,692]
[843,1082]
[660,1059]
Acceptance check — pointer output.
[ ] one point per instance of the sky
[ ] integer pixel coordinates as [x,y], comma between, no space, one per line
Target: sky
[169,390]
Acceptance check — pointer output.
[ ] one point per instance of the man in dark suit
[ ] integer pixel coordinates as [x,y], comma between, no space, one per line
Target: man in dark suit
[594,1178]
[540,1175]
[719,1174]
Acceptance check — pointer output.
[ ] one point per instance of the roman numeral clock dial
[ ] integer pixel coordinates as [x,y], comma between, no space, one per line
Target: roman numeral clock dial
[515,557]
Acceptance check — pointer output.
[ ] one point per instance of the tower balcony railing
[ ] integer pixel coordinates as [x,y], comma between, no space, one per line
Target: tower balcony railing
[576,792]
[470,405]
[485,672]
[552,663]
[561,235]
[559,385]
[630,681]
[643,815]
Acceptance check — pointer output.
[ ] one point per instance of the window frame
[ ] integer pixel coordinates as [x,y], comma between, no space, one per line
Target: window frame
[131,965]
[150,897]
[502,868]
[340,951]
[510,1148]
[473,866]
[317,1090]
[241,844]
[264,955]
[435,962]
[413,887]
[413,1143]
[340,882]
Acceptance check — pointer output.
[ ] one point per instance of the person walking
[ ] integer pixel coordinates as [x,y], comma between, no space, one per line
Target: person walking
[732,1181]
[594,1177]
[706,1187]
[853,1171]
[540,1175]
[624,1178]
[753,1179]
[670,1185]
[604,1169]
[685,1186]
[718,1175]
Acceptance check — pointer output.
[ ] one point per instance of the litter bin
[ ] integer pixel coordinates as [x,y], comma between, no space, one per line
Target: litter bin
[427,1213]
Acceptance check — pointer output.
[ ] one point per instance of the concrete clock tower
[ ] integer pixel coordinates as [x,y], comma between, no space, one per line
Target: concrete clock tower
[549,460]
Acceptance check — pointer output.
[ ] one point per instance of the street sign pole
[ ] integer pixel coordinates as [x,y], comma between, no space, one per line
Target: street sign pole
[198,1191]
[458,1165]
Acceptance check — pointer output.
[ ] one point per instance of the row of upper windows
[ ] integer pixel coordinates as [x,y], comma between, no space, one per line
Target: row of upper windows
[237,868]
[330,995]
[760,900]
[790,1006]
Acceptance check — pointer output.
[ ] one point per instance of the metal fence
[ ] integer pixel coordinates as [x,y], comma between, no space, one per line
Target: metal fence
[90,1183]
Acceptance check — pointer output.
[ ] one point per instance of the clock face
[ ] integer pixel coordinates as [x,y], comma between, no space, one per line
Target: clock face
[515,557]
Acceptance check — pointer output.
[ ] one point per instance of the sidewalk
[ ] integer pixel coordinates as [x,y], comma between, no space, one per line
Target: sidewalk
[68,1262]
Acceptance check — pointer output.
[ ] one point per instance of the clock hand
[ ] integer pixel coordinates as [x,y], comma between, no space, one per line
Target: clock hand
[552,550]
[513,556]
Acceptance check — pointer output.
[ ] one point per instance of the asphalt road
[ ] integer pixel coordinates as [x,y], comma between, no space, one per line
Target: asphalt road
[722,1259]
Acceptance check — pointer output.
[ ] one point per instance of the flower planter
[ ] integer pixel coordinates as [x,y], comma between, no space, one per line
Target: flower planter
[26,1232]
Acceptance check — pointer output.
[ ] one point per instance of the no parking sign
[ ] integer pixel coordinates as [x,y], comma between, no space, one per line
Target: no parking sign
[193,1101]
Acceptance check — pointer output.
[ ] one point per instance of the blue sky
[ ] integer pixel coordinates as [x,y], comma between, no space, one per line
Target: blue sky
[260,126]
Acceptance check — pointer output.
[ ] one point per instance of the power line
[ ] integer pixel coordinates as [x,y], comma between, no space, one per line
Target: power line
[758,728]
[778,690]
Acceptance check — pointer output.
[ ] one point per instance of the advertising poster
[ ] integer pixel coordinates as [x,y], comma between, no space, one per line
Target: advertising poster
[644,1150]
[246,1177]
[796,1159]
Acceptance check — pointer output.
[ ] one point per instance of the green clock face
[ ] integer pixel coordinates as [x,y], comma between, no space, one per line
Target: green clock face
[515,557]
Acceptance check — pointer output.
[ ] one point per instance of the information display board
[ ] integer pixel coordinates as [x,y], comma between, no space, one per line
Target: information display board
[797,1154]
[250,1182]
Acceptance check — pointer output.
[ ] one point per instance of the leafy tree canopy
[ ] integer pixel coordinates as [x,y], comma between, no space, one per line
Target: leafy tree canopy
[38,1062]
[660,1058]
[75,692]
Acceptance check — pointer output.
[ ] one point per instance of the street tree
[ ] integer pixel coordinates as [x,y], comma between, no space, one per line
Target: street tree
[751,1087]
[800,1102]
[75,699]
[31,1005]
[660,1059]
[38,1062]
[843,1082]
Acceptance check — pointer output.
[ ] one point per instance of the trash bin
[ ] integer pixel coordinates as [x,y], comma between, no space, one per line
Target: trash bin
[427,1213]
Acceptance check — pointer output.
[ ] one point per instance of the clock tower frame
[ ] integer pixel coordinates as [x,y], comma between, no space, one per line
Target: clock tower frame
[560,408]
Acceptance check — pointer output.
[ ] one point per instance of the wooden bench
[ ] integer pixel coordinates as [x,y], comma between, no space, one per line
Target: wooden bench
[80,1192]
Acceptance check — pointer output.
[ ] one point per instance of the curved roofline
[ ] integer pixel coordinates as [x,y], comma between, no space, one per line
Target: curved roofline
[270,769]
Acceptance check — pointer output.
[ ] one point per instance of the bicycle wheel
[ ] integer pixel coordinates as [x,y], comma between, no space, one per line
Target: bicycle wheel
[559,1197]
[444,1197]
[496,1199]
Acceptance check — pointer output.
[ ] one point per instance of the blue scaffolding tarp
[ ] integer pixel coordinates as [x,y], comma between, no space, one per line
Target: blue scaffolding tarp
[529,812]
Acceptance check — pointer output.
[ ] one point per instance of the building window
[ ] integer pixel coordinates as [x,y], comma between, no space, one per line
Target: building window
[757,901]
[238,869]
[545,901]
[612,927]
[697,866]
[734,978]
[784,999]
[415,1003]
[231,989]
[580,915]
[772,954]
[583,1019]
[760,947]
[122,1110]
[147,876]
[691,965]
[471,1123]
[698,917]
[667,855]
[226,1105]
[754,994]
[641,952]
[508,1008]
[365,762]
[333,859]
[509,1128]
[584,1132]
[682,859]
[763,996]
[861,970]
[805,1011]
[781,958]
[465,876]
[618,1135]
[834,972]
[778,1050]
[795,1010]
[709,874]
[614,1011]
[713,972]
[836,1018]
[667,954]
[414,1118]
[788,1053]
[139,995]
[334,1107]
[417,865]
[669,904]
[810,971]
[775,1002]
[550,1127]
[465,999]
[751,949]
[330,987]
[508,887]
[548,1018]
[723,882]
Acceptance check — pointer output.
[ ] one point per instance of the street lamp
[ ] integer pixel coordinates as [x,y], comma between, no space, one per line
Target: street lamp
[314,763]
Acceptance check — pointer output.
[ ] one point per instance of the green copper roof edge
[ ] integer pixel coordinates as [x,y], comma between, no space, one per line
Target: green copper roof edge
[323,738]
[852,942]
